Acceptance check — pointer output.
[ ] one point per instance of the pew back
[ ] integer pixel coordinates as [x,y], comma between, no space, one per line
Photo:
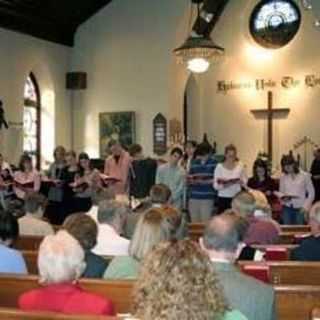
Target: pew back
[292,302]
[12,286]
[287,235]
[296,302]
[290,272]
[31,259]
[28,243]
[15,314]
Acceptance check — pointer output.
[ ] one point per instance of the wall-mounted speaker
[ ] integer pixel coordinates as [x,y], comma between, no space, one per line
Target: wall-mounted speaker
[76,80]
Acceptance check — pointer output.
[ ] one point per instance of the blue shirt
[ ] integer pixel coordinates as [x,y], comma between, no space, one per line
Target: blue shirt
[174,178]
[203,173]
[11,261]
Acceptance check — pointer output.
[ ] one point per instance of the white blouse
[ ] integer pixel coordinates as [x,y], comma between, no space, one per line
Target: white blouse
[300,186]
[222,173]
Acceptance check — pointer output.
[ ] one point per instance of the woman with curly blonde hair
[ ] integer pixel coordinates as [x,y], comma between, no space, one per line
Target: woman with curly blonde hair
[176,282]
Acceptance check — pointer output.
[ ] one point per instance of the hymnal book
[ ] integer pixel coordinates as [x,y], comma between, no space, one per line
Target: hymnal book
[24,185]
[79,187]
[51,182]
[107,180]
[229,181]
[285,197]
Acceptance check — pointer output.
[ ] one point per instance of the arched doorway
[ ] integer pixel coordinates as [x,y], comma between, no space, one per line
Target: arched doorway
[192,110]
[32,120]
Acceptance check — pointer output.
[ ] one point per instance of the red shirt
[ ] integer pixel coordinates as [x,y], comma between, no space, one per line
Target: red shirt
[67,299]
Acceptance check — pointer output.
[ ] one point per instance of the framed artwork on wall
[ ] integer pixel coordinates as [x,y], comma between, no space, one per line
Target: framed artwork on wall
[117,126]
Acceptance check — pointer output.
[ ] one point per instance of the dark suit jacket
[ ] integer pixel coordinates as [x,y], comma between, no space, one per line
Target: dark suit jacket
[309,250]
[253,298]
[96,266]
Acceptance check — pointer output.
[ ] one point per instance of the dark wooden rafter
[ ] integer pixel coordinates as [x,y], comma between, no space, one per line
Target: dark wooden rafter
[214,7]
[51,20]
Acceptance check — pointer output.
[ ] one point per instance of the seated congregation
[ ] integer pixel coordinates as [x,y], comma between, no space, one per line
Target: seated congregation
[183,236]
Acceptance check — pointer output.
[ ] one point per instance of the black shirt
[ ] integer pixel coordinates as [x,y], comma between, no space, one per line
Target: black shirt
[309,250]
[142,178]
[96,266]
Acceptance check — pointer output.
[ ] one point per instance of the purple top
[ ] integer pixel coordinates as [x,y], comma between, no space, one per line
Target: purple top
[261,232]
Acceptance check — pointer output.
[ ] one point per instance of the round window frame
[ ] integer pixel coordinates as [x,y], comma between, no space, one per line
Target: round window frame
[263,42]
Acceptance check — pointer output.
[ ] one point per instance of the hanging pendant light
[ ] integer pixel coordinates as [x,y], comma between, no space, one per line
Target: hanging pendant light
[198,51]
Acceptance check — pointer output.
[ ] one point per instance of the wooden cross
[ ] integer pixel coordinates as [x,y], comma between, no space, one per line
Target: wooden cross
[271,113]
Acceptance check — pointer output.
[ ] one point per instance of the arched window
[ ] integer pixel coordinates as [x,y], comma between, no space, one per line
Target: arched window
[31,120]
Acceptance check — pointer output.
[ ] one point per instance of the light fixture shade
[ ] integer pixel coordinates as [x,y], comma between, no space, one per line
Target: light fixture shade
[198,52]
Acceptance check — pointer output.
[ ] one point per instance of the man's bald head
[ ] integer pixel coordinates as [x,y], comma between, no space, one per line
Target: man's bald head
[222,233]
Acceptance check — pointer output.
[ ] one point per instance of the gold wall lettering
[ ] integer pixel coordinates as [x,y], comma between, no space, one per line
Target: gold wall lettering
[286,82]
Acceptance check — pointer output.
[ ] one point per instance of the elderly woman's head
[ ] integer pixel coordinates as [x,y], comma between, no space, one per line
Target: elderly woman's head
[60,259]
[244,204]
[177,281]
[262,206]
[151,229]
[83,228]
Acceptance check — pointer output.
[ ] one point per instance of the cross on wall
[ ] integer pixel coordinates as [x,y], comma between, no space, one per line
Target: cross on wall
[270,113]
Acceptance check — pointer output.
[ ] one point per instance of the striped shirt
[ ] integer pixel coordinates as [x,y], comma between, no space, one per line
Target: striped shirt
[200,179]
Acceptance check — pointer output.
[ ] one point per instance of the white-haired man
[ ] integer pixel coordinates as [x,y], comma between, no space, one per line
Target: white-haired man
[61,263]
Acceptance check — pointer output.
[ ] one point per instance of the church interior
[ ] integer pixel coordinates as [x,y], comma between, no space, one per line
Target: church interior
[160,159]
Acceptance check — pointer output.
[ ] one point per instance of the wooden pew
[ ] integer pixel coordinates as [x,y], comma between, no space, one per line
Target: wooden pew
[297,229]
[31,259]
[287,236]
[28,243]
[290,272]
[264,247]
[12,286]
[296,302]
[292,302]
[16,314]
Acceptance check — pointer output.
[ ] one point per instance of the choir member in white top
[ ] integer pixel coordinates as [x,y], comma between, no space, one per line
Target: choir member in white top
[229,178]
[296,192]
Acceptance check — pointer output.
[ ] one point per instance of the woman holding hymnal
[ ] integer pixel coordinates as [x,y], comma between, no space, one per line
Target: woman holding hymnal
[296,192]
[229,178]
[6,182]
[85,181]
[26,179]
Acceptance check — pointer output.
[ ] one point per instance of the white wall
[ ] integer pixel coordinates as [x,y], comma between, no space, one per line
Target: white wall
[127,52]
[126,49]
[49,62]
[228,118]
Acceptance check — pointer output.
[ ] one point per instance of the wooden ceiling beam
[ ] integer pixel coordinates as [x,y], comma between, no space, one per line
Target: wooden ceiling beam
[51,20]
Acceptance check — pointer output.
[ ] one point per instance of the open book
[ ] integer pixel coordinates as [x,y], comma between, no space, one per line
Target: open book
[285,197]
[229,181]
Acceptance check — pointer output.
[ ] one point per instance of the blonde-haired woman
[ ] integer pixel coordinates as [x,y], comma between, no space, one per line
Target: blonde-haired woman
[61,263]
[178,281]
[153,227]
[263,209]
